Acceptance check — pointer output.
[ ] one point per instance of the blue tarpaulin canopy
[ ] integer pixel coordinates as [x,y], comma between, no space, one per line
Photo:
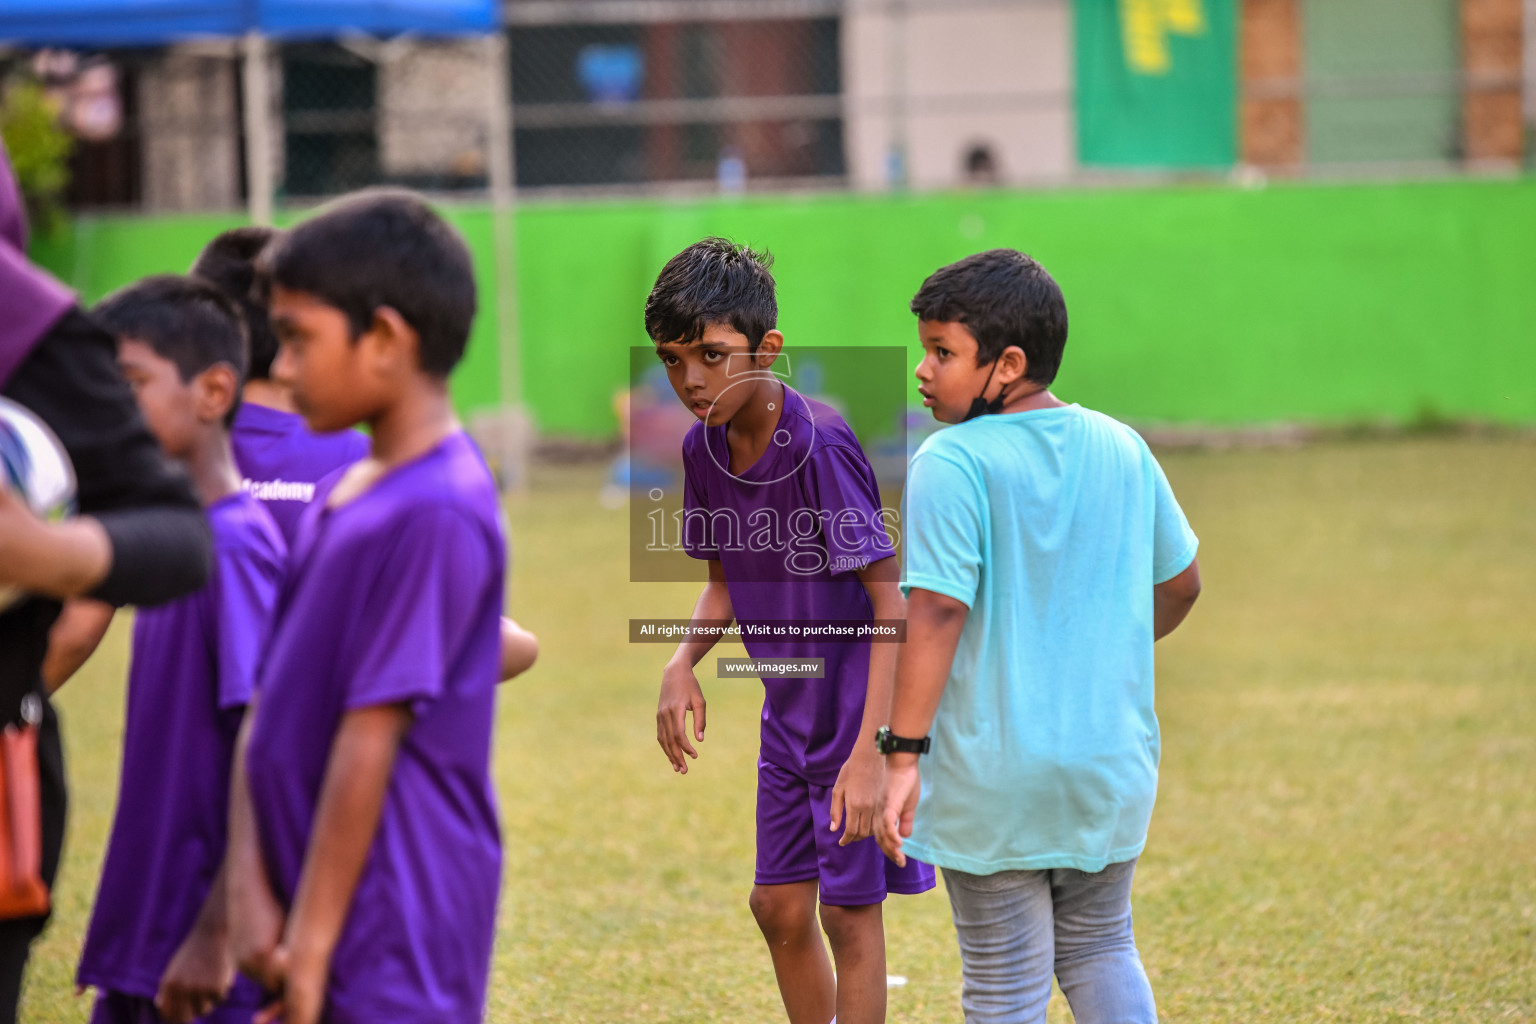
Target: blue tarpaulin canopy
[98,24]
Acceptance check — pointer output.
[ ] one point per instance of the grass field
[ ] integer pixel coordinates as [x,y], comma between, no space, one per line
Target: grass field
[1346,826]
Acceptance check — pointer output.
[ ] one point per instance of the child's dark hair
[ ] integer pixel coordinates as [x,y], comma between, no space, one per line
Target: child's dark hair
[714,281]
[383,247]
[229,262]
[1004,298]
[183,319]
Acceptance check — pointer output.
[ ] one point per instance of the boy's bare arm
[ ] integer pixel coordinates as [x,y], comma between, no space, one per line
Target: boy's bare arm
[519,649]
[857,792]
[202,970]
[346,820]
[59,560]
[680,691]
[255,916]
[934,624]
[1172,600]
[74,638]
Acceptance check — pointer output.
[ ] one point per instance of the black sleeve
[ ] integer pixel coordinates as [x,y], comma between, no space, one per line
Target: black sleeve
[161,546]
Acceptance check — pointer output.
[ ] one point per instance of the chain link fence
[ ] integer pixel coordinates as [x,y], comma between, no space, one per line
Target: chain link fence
[691,96]
[162,129]
[406,112]
[631,98]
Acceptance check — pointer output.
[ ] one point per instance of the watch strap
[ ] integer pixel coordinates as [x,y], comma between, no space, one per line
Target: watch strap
[889,743]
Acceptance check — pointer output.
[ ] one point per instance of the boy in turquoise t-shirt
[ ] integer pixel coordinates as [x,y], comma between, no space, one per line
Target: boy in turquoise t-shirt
[1044,554]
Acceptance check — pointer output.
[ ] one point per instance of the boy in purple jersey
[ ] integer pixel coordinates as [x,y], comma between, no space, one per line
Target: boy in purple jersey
[781,501]
[156,943]
[280,459]
[365,851]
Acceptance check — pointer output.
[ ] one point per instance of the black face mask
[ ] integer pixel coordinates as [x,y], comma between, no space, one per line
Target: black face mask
[979,405]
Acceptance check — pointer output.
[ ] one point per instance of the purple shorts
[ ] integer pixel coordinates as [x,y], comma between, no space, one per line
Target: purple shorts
[796,844]
[121,1008]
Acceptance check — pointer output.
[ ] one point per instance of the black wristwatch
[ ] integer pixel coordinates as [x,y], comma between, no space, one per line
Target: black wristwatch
[888,742]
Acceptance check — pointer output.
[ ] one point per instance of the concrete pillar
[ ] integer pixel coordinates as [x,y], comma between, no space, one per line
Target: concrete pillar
[260,168]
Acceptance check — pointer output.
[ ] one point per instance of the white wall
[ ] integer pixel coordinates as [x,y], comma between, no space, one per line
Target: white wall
[950,73]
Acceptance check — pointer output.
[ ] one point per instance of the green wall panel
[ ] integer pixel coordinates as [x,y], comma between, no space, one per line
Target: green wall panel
[1188,305]
[1211,305]
[100,254]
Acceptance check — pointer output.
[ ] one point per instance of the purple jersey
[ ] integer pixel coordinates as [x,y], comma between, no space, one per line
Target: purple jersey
[395,597]
[282,460]
[791,532]
[31,302]
[193,670]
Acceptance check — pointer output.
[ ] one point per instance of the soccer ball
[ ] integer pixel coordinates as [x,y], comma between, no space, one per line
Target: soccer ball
[34,466]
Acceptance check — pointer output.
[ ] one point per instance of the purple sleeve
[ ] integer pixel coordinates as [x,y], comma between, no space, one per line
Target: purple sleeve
[245,597]
[416,615]
[848,501]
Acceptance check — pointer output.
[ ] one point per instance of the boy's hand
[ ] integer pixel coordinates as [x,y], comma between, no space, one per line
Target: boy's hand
[898,803]
[198,977]
[856,795]
[256,930]
[680,694]
[519,649]
[59,560]
[301,992]
[15,518]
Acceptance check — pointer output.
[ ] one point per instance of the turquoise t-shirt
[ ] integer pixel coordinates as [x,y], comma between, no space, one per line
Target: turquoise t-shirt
[1051,525]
